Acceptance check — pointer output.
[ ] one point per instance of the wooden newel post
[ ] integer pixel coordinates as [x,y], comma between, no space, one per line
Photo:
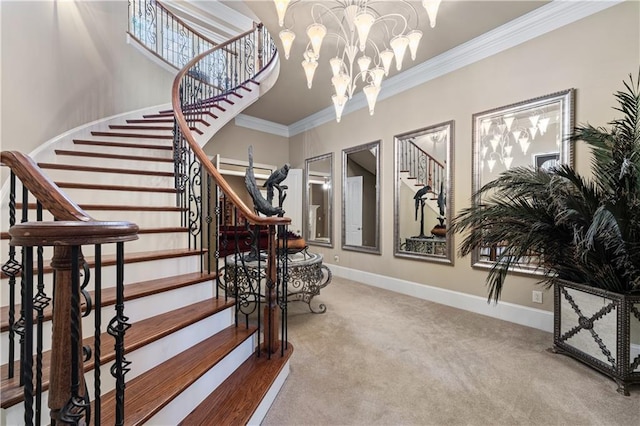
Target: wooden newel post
[271,308]
[60,380]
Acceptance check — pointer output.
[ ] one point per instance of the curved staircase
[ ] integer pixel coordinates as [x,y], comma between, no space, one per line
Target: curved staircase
[191,361]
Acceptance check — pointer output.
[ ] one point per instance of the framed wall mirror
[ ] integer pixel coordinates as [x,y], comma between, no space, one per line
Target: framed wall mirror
[361,198]
[318,175]
[424,193]
[532,133]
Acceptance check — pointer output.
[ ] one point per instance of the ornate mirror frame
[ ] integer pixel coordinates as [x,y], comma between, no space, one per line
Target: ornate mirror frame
[529,133]
[359,158]
[318,184]
[424,193]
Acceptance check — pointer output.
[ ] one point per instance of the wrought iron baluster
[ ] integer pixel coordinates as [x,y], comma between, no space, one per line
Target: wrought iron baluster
[41,301]
[97,319]
[12,268]
[27,344]
[117,328]
[20,325]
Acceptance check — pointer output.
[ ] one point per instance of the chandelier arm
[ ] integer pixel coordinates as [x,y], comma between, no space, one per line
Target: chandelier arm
[392,17]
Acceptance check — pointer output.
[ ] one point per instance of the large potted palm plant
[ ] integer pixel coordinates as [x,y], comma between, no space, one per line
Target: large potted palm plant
[584,233]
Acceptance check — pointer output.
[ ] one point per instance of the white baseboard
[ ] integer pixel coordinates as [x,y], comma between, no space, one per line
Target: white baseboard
[523,315]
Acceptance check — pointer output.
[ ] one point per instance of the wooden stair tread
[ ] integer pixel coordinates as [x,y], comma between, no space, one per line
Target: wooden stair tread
[161,230]
[131,135]
[133,208]
[162,120]
[104,187]
[131,291]
[150,392]
[138,335]
[133,257]
[138,127]
[104,169]
[123,144]
[231,403]
[113,207]
[114,156]
[159,115]
[158,230]
[149,120]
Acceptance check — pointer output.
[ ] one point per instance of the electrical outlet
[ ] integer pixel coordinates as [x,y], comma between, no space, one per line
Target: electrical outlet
[537,296]
[336,258]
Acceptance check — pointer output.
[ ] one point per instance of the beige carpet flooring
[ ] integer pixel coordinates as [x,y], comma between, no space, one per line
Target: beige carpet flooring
[381,358]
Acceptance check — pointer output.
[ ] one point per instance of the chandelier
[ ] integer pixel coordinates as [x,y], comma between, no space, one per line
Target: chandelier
[365,42]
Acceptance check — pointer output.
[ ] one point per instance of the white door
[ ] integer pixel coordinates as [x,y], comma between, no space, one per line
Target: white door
[353,211]
[293,203]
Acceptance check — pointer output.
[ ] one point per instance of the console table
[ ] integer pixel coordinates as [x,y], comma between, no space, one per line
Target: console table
[307,276]
[427,245]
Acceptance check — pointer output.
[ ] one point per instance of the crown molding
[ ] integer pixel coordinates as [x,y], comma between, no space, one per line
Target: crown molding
[243,120]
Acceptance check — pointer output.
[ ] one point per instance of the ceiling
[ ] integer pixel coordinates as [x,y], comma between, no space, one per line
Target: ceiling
[290,100]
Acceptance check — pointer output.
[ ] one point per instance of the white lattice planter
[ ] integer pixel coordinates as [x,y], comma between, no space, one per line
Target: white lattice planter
[600,329]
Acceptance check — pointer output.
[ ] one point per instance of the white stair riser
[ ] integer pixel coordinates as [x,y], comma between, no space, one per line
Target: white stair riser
[147,357]
[126,139]
[110,178]
[166,240]
[133,272]
[135,309]
[141,152]
[156,218]
[264,406]
[114,163]
[99,196]
[190,398]
[92,196]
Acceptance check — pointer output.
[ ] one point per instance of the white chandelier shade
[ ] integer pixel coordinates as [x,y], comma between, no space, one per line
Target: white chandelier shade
[367,42]
[432,10]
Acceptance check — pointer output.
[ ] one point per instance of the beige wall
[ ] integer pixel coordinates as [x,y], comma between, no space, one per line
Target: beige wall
[233,142]
[67,63]
[588,55]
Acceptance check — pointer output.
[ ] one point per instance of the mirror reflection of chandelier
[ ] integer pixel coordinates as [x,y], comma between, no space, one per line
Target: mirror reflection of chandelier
[366,41]
[499,135]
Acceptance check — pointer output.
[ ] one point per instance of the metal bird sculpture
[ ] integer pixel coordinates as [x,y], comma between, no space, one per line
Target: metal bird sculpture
[421,192]
[275,179]
[442,199]
[260,204]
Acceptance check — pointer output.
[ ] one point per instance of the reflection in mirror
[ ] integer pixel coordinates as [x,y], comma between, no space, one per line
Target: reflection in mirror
[360,198]
[319,200]
[531,133]
[424,193]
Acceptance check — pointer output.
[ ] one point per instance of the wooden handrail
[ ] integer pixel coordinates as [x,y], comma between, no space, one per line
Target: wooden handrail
[71,233]
[45,191]
[199,152]
[427,154]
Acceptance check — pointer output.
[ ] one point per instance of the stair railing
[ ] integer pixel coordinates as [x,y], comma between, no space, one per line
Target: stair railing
[164,34]
[421,166]
[251,248]
[32,297]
